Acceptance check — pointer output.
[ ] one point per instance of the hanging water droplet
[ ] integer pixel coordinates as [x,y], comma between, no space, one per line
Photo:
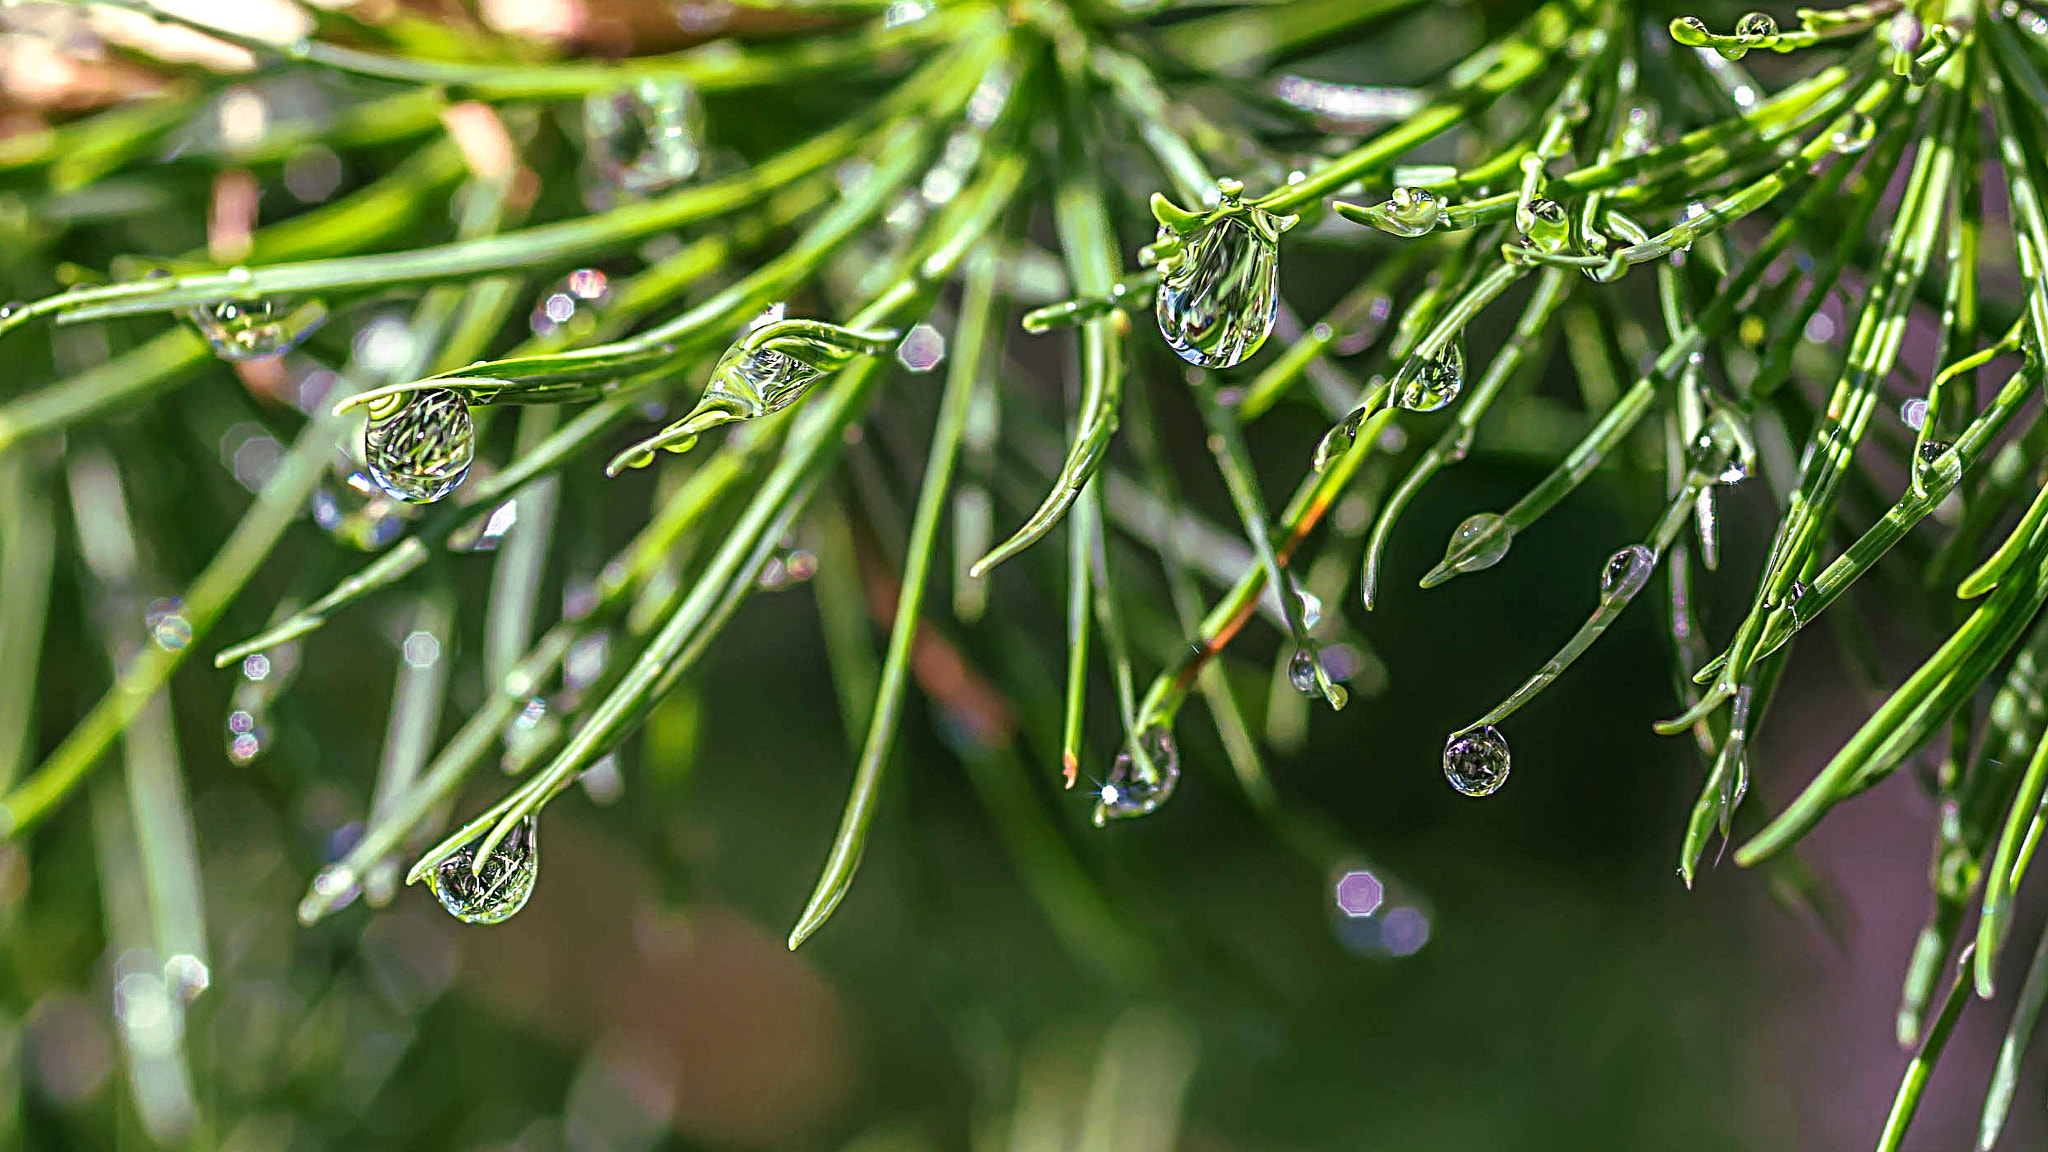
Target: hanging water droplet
[1435,381]
[761,380]
[1718,453]
[1135,788]
[1625,574]
[1408,212]
[1219,292]
[572,304]
[1544,224]
[1476,760]
[1478,543]
[1339,439]
[497,890]
[1301,672]
[647,137]
[357,513]
[1854,134]
[255,329]
[422,451]
[1311,608]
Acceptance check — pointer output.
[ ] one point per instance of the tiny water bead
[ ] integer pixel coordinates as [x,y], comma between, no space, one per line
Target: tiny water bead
[1339,439]
[1133,787]
[646,138]
[421,451]
[571,306]
[255,329]
[1476,760]
[1853,135]
[1219,285]
[1434,381]
[494,892]
[1718,454]
[1625,574]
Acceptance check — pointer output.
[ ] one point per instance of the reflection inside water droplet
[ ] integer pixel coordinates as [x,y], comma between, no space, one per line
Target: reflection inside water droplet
[647,137]
[421,452]
[1436,380]
[1478,542]
[1476,760]
[1135,787]
[1219,292]
[1626,573]
[255,329]
[1301,671]
[497,890]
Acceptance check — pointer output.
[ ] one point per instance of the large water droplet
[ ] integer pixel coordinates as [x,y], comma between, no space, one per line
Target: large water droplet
[572,304]
[421,452]
[1339,439]
[761,380]
[1625,574]
[255,329]
[1751,30]
[1218,295]
[1854,135]
[1544,225]
[1301,672]
[1408,212]
[500,887]
[647,137]
[1435,381]
[1478,542]
[1134,790]
[358,513]
[1476,760]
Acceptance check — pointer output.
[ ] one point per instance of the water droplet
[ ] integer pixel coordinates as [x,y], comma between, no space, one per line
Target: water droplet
[10,309]
[1854,135]
[497,890]
[1625,574]
[1338,440]
[255,329]
[1311,608]
[1301,672]
[1408,212]
[1436,381]
[572,304]
[761,380]
[167,624]
[1544,225]
[357,513]
[1717,452]
[1479,542]
[1756,26]
[1476,760]
[646,138]
[1793,592]
[1935,467]
[1133,788]
[422,451]
[1218,294]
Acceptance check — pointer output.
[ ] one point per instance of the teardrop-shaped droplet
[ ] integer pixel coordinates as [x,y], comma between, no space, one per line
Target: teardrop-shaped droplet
[1625,574]
[1408,212]
[1311,608]
[494,892]
[1478,542]
[1854,135]
[1301,672]
[1435,381]
[761,380]
[1476,760]
[358,513]
[1544,225]
[1135,788]
[1717,452]
[647,137]
[1935,467]
[421,452]
[1339,439]
[255,329]
[1218,294]
[571,305]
